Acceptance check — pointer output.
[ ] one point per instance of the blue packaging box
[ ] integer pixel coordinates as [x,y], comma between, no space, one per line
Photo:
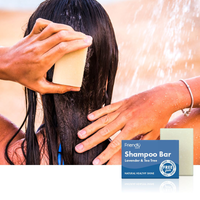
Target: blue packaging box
[150,159]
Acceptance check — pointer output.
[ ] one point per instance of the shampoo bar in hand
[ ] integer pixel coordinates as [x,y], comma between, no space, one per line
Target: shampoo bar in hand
[185,137]
[69,70]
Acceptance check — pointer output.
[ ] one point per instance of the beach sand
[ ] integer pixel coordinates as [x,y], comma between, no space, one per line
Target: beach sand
[157,44]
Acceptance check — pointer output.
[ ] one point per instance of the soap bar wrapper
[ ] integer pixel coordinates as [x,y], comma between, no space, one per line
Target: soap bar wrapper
[69,70]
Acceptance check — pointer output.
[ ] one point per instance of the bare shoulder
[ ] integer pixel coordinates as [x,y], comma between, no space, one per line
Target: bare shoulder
[15,153]
[17,150]
[8,130]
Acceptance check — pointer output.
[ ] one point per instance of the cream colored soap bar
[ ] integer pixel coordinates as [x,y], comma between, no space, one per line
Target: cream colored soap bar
[69,70]
[185,137]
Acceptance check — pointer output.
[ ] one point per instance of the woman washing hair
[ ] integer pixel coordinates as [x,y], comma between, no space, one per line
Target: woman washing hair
[65,115]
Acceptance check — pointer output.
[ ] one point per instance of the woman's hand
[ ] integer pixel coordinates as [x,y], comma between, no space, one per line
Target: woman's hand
[116,159]
[28,61]
[139,116]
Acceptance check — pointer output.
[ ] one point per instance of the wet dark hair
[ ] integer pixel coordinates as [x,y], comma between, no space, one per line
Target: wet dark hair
[66,114]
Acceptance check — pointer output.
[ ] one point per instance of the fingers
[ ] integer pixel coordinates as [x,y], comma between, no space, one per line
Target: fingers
[92,128]
[153,135]
[103,111]
[51,88]
[47,28]
[40,25]
[116,159]
[115,145]
[52,29]
[63,48]
[112,148]
[101,135]
[53,34]
[62,36]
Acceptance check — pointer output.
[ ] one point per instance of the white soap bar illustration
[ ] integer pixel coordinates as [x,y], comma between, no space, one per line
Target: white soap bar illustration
[185,137]
[69,70]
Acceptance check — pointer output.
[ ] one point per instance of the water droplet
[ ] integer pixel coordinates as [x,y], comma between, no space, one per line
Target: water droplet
[128,29]
[192,66]
[186,65]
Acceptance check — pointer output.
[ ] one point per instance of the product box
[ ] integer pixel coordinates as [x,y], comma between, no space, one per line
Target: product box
[150,159]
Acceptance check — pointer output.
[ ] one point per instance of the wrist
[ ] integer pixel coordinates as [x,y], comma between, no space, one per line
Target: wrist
[176,96]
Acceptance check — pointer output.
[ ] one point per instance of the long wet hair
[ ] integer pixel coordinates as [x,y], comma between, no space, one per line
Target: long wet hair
[66,114]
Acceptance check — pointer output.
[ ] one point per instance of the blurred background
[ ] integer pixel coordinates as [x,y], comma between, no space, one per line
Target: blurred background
[158,42]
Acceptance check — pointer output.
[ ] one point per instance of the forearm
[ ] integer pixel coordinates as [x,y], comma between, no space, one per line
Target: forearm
[176,95]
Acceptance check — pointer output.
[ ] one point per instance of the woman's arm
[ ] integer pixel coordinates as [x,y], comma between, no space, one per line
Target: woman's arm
[144,113]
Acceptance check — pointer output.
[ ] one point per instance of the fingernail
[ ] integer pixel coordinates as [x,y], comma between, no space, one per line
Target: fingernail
[88,40]
[91,116]
[75,89]
[96,161]
[81,133]
[79,147]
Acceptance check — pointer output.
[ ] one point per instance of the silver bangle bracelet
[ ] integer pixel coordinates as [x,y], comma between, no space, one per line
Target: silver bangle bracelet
[187,113]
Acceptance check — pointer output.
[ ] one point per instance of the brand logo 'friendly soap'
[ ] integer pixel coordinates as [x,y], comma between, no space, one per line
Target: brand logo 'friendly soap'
[136,146]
